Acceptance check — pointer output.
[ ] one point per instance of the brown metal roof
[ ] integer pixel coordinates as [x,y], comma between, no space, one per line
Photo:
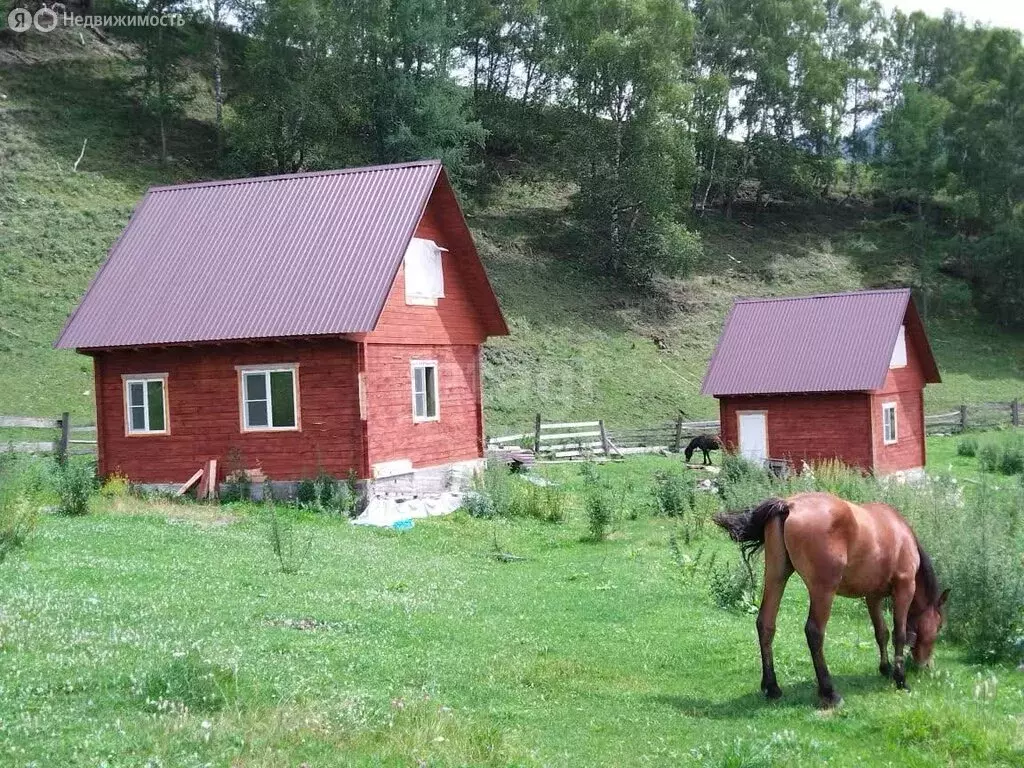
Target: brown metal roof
[829,343]
[277,256]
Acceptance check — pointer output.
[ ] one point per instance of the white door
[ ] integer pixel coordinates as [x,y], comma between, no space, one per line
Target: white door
[754,436]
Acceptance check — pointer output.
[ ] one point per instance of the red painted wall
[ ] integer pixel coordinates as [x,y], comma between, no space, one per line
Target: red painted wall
[457,318]
[391,431]
[908,452]
[905,387]
[450,333]
[204,418]
[811,427]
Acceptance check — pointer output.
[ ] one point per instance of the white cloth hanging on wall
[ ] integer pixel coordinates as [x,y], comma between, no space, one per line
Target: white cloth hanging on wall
[424,276]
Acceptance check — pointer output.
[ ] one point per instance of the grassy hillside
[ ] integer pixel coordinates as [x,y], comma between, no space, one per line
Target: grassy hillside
[581,347]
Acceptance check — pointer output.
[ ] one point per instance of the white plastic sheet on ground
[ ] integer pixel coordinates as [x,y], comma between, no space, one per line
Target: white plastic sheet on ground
[385,511]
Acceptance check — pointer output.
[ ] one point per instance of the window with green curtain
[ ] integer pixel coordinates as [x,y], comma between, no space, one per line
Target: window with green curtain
[146,406]
[155,410]
[269,399]
[282,398]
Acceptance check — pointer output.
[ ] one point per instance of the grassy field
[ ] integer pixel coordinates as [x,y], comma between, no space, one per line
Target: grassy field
[161,634]
[588,347]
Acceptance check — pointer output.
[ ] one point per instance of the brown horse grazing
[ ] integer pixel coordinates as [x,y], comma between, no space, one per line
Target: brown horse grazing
[838,547]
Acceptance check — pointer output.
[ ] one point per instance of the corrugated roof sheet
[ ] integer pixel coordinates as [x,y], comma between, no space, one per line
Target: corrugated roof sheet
[277,256]
[830,343]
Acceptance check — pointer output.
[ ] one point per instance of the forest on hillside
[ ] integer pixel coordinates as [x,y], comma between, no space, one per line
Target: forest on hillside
[656,112]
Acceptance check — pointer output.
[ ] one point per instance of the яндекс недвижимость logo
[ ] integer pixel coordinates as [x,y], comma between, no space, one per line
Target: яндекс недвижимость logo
[48,18]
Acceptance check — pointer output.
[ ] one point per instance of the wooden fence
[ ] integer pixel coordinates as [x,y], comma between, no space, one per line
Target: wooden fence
[67,443]
[562,441]
[974,416]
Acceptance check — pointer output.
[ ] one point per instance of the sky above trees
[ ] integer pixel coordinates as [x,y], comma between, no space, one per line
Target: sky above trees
[1002,13]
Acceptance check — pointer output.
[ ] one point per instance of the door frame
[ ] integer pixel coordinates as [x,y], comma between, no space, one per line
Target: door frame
[739,430]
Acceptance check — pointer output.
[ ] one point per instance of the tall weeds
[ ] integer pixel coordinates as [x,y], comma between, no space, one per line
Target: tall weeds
[21,484]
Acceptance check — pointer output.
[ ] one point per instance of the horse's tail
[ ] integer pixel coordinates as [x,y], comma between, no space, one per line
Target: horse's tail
[747,527]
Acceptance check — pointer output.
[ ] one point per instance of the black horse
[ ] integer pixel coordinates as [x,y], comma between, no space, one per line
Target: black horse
[705,444]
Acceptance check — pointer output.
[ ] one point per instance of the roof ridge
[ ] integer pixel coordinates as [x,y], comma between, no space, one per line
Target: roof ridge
[870,291]
[303,175]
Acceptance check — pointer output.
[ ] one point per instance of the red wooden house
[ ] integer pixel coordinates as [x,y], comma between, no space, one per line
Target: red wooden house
[294,323]
[840,376]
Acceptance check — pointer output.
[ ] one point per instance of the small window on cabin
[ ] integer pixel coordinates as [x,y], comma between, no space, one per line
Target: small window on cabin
[424,276]
[889,432]
[269,398]
[146,404]
[899,351]
[424,390]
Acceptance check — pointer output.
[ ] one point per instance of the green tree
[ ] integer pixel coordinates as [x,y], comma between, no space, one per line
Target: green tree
[163,83]
[624,61]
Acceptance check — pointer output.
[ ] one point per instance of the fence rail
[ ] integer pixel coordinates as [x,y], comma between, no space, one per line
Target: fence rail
[62,447]
[583,439]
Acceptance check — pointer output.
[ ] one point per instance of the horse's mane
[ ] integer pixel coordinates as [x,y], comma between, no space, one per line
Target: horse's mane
[926,576]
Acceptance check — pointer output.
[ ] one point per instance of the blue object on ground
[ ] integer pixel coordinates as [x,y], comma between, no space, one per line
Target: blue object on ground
[402,525]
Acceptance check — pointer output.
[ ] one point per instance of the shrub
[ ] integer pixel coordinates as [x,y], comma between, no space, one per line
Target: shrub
[1005,456]
[189,683]
[835,477]
[326,494]
[973,540]
[478,504]
[237,487]
[733,586]
[676,496]
[671,494]
[305,492]
[988,457]
[285,542]
[74,482]
[18,518]
[599,514]
[1011,459]
[967,446]
[541,502]
[115,486]
[742,483]
[237,482]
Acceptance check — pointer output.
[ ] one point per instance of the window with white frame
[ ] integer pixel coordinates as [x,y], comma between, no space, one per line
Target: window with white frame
[270,397]
[424,276]
[145,397]
[424,390]
[899,350]
[889,430]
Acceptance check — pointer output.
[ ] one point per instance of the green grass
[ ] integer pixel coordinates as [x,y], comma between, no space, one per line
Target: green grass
[581,346]
[943,457]
[167,633]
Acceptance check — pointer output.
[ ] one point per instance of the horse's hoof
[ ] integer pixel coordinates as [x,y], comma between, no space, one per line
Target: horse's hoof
[885,670]
[772,692]
[901,685]
[830,700]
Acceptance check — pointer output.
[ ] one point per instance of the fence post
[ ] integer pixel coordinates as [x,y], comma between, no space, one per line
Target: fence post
[536,435]
[604,438]
[1015,412]
[65,434]
[679,432]
[963,417]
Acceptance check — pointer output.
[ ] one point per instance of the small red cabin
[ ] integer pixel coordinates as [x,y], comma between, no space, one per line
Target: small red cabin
[811,378]
[321,321]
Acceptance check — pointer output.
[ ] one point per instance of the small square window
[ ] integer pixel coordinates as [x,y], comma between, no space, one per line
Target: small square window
[146,404]
[424,391]
[269,398]
[889,428]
